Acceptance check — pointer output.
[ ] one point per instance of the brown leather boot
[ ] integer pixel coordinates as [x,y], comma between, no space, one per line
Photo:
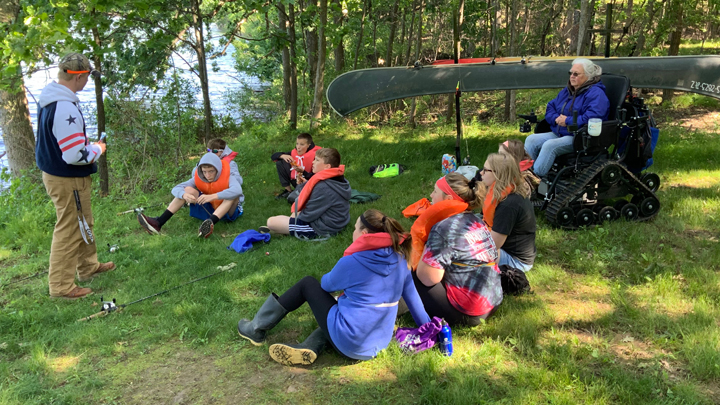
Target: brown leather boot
[75,293]
[102,268]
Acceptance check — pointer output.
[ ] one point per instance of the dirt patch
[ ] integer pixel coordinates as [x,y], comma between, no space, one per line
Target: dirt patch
[701,234]
[692,119]
[181,376]
[581,304]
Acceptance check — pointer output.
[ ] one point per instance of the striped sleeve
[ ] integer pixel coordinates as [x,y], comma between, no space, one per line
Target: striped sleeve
[68,129]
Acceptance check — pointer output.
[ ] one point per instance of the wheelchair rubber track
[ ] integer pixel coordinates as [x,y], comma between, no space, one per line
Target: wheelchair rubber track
[568,194]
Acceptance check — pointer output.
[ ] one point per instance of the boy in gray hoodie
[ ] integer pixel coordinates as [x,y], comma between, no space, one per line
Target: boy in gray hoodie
[322,208]
[212,192]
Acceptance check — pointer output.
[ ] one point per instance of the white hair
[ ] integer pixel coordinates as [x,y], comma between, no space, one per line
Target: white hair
[591,70]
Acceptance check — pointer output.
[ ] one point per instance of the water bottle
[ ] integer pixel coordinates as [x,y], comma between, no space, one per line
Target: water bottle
[445,338]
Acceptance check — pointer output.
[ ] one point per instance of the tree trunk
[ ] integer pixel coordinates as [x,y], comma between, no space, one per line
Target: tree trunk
[17,130]
[456,54]
[410,35]
[282,24]
[582,29]
[375,52]
[649,15]
[102,162]
[401,45]
[14,112]
[495,42]
[293,67]
[360,36]
[391,37]
[413,104]
[339,47]
[320,78]
[311,42]
[510,95]
[675,37]
[202,68]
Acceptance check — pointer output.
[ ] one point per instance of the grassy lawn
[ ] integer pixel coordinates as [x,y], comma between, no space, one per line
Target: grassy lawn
[621,313]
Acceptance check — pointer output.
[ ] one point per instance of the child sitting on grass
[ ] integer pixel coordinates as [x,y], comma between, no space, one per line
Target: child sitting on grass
[323,206]
[212,192]
[220,148]
[292,166]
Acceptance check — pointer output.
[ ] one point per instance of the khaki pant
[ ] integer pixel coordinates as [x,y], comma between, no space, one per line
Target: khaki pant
[69,253]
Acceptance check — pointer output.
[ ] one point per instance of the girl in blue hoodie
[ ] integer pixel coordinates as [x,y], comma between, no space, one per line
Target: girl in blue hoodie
[373,274]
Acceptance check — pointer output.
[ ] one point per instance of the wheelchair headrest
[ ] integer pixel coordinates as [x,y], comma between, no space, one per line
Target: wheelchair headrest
[616,88]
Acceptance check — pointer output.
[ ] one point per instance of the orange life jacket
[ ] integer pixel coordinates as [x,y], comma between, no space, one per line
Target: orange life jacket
[221,184]
[305,160]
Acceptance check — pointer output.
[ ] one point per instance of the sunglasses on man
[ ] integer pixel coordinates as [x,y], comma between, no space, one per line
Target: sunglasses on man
[214,150]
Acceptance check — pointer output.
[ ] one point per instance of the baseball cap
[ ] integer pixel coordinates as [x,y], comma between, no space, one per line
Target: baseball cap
[77,63]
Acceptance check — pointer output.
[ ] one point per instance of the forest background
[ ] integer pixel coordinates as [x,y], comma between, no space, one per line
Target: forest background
[620,314]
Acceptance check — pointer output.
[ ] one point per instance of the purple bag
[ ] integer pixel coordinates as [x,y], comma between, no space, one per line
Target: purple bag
[416,340]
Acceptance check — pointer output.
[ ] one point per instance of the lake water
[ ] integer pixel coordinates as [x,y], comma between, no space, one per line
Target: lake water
[220,82]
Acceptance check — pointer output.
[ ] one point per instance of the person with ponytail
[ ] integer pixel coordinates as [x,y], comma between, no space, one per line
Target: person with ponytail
[454,256]
[373,275]
[508,212]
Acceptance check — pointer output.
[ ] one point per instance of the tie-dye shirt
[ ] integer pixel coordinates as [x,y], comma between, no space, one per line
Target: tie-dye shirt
[463,247]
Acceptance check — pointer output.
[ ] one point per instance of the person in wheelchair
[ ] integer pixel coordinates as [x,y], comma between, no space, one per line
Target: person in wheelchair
[585,94]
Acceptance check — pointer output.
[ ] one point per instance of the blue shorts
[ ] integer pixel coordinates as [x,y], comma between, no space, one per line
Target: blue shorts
[301,229]
[203,212]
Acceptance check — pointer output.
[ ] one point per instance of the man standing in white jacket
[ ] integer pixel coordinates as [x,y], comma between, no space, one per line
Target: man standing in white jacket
[67,159]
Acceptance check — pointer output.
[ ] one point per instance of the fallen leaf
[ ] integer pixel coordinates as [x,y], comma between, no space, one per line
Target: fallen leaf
[628,339]
[291,389]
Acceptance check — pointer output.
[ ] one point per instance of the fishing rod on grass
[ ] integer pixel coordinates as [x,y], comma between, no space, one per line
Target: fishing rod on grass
[111,306]
[23,279]
[139,209]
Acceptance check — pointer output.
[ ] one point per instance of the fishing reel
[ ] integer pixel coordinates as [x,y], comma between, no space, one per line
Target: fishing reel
[113,248]
[108,306]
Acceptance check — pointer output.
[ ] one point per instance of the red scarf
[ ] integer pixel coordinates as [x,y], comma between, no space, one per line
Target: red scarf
[371,241]
[489,205]
[423,225]
[526,164]
[307,189]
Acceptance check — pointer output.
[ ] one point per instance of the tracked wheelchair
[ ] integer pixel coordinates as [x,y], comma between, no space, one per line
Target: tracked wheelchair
[599,180]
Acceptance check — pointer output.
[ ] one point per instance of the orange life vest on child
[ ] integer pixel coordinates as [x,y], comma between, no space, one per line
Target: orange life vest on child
[305,160]
[221,184]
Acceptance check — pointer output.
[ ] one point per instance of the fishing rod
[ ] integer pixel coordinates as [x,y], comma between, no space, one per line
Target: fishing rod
[111,306]
[139,209]
[23,279]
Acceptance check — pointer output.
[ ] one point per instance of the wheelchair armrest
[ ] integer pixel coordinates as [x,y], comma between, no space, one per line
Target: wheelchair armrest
[532,118]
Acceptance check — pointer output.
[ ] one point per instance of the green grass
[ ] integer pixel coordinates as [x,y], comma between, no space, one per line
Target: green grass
[622,313]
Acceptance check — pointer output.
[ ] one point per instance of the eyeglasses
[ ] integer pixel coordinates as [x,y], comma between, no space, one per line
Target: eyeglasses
[574,74]
[214,150]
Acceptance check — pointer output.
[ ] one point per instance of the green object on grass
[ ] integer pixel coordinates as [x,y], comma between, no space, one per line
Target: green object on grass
[384,171]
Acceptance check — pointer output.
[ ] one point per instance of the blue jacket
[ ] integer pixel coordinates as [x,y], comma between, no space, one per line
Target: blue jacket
[590,102]
[362,322]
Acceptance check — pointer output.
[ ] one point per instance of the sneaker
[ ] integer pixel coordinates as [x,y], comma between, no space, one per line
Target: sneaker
[77,292]
[151,225]
[264,229]
[206,228]
[282,195]
[102,268]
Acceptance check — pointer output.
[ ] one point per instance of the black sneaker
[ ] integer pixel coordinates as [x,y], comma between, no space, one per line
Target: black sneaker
[206,228]
[282,195]
[264,229]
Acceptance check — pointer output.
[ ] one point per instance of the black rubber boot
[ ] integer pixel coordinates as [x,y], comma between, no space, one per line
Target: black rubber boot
[269,315]
[303,354]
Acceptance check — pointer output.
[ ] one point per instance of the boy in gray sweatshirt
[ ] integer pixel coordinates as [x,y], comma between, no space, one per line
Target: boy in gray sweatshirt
[212,192]
[322,208]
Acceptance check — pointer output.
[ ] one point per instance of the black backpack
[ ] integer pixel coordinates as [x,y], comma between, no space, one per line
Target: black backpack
[514,281]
